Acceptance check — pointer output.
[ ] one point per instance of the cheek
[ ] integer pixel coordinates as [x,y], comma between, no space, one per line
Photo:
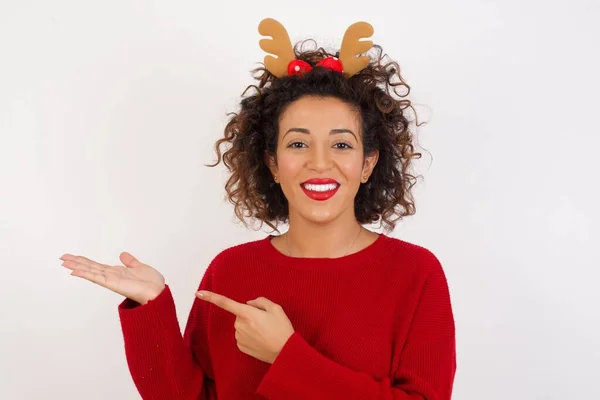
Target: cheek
[289,166]
[351,168]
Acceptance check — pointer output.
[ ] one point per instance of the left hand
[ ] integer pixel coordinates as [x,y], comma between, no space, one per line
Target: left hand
[261,326]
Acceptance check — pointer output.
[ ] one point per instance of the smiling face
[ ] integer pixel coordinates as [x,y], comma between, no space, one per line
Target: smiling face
[320,161]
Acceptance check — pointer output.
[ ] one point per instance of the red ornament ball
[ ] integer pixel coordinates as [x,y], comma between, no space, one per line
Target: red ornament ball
[298,67]
[332,63]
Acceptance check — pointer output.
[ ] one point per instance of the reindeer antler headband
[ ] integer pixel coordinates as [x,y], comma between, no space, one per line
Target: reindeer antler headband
[286,63]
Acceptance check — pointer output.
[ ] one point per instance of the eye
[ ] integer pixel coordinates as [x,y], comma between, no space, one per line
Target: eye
[343,145]
[296,145]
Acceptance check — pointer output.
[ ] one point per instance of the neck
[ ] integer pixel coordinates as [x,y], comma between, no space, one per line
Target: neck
[333,239]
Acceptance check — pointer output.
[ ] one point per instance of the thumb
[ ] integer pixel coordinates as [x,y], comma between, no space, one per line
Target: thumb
[129,260]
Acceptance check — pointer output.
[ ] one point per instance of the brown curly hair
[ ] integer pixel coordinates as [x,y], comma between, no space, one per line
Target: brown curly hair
[252,132]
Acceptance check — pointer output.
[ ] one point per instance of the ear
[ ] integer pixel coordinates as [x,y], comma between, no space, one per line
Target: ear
[369,166]
[271,163]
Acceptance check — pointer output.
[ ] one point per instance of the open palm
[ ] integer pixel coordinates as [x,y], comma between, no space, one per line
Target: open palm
[135,280]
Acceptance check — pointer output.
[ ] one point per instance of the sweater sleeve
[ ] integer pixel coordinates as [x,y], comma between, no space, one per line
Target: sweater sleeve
[163,363]
[425,370]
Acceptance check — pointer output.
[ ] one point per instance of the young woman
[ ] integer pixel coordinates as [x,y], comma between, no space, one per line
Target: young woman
[329,309]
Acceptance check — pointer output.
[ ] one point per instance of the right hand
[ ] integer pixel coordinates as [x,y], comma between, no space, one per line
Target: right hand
[136,281]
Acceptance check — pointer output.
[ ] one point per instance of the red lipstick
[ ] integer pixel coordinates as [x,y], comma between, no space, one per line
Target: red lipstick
[320,189]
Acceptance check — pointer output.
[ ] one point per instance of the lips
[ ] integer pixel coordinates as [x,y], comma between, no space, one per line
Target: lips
[320,189]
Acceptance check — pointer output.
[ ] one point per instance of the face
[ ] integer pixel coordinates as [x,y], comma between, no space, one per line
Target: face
[320,162]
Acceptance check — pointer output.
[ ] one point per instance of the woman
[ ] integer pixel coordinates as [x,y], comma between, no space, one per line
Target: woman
[329,309]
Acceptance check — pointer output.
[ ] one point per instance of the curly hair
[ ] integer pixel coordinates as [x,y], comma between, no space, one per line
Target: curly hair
[252,132]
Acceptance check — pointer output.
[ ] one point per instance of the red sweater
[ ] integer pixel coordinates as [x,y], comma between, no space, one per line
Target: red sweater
[376,324]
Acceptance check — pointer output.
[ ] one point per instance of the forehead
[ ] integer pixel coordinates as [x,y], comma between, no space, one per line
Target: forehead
[319,112]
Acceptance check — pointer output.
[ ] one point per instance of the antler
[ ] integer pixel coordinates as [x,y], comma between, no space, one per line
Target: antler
[280,45]
[351,47]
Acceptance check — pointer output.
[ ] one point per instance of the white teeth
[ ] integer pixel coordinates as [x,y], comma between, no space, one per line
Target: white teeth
[320,188]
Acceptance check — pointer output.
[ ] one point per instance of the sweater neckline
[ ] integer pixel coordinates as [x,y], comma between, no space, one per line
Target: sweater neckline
[369,253]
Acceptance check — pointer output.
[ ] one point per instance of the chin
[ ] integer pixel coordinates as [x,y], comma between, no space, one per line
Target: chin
[321,212]
[321,216]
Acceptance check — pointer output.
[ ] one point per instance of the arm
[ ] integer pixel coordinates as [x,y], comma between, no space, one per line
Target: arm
[163,363]
[425,371]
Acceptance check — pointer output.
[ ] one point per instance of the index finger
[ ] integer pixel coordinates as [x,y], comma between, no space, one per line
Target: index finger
[223,302]
[81,260]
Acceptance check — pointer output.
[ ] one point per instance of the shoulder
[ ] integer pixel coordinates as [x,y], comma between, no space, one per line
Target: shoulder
[425,275]
[417,260]
[427,302]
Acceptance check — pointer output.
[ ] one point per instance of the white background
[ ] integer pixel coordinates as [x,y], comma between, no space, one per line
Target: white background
[108,111]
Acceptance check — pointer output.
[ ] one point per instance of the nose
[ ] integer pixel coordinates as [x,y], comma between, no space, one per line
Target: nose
[319,159]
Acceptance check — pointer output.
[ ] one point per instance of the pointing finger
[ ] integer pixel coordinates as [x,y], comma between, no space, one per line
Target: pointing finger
[227,304]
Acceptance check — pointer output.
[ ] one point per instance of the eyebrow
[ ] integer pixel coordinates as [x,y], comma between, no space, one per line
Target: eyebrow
[331,132]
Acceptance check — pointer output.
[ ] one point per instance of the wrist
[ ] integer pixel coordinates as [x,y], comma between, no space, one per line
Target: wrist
[153,294]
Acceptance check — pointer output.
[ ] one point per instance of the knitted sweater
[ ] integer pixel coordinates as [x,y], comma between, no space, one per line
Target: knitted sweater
[375,324]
